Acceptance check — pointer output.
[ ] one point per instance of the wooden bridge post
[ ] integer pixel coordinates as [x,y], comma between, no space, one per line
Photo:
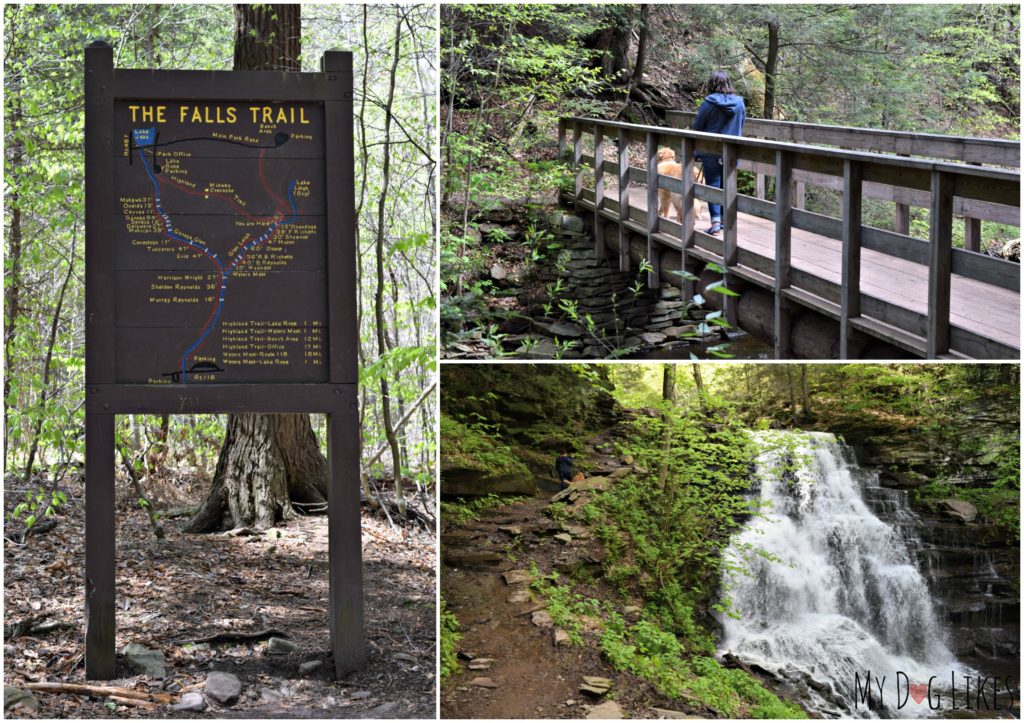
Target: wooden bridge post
[759,184]
[653,256]
[623,199]
[972,231]
[902,221]
[687,221]
[783,248]
[800,195]
[561,139]
[940,259]
[598,192]
[730,251]
[849,291]
[577,158]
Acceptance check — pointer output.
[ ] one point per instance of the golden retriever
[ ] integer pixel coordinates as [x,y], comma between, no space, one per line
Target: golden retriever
[668,166]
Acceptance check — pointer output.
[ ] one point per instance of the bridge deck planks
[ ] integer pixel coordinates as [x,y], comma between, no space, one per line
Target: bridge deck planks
[988,310]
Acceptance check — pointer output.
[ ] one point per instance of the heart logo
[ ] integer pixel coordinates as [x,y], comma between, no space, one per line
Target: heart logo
[918,691]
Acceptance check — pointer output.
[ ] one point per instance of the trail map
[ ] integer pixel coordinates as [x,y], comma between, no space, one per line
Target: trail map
[221,248]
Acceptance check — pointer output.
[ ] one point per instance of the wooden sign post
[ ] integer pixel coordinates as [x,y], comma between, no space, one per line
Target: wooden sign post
[220,277]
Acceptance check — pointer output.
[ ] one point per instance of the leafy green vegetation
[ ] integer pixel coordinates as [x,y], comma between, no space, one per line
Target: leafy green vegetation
[476,446]
[461,511]
[450,636]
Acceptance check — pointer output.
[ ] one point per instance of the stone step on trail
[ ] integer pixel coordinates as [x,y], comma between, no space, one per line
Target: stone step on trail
[609,710]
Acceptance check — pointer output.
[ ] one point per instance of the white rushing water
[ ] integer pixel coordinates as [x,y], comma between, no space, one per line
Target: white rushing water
[844,597]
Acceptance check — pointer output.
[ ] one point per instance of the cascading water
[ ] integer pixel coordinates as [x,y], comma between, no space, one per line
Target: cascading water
[834,593]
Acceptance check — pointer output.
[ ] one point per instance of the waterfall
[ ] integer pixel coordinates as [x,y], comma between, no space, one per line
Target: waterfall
[830,592]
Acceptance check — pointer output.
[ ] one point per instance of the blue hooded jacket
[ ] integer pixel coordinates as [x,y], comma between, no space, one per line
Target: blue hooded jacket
[721,113]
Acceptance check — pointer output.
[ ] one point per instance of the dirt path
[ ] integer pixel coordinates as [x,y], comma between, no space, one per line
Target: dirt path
[531,676]
[191,586]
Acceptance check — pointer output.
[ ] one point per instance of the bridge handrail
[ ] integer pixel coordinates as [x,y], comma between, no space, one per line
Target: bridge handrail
[967,149]
[941,180]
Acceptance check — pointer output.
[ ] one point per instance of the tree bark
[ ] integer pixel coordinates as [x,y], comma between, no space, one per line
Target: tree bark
[699,381]
[267,37]
[668,398]
[792,395]
[382,342]
[47,364]
[612,41]
[770,67]
[806,391]
[12,272]
[267,461]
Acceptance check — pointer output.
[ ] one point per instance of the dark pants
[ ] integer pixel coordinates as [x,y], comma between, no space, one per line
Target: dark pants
[712,177]
[564,478]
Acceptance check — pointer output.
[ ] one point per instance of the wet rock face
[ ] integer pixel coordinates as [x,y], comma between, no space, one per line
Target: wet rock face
[971,573]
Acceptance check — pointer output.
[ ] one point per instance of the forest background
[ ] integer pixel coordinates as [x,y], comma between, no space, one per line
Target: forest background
[395,76]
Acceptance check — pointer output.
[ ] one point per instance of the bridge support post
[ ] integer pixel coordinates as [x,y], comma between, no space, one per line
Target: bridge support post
[849,291]
[561,139]
[730,251]
[940,259]
[653,278]
[690,268]
[577,158]
[800,194]
[902,220]
[783,251]
[972,231]
[599,244]
[623,199]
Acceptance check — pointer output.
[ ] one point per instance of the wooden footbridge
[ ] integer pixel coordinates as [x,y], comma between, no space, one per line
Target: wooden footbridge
[886,292]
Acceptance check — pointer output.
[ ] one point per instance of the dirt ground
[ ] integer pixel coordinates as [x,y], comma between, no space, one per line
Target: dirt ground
[532,676]
[192,586]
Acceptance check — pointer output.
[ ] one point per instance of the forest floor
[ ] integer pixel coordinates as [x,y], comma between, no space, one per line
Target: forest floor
[188,587]
[519,670]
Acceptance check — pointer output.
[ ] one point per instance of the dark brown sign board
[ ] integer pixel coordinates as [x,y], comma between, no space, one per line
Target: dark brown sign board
[220,277]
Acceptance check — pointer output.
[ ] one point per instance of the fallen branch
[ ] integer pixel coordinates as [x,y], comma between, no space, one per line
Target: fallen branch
[22,627]
[100,691]
[230,637]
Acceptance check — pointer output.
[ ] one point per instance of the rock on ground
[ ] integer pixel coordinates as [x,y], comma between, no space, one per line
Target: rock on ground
[224,688]
[146,661]
[542,619]
[192,702]
[513,577]
[607,710]
[14,697]
[672,714]
[280,646]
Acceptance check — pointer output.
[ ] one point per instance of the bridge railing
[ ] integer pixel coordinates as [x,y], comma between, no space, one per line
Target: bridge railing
[945,188]
[975,151]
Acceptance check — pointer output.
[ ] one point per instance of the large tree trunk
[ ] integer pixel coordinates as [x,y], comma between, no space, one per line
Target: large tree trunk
[613,41]
[267,460]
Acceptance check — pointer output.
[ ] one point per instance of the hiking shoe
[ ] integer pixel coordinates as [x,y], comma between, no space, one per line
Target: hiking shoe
[716,228]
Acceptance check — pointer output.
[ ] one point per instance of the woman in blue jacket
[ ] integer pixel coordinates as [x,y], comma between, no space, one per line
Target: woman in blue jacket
[721,112]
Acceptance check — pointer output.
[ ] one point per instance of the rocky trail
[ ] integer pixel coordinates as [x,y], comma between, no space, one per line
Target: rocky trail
[514,661]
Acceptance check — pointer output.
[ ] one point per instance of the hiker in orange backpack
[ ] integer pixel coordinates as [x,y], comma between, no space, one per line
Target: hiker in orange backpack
[563,468]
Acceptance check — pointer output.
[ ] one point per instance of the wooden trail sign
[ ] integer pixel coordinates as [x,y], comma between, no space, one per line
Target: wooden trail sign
[220,277]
